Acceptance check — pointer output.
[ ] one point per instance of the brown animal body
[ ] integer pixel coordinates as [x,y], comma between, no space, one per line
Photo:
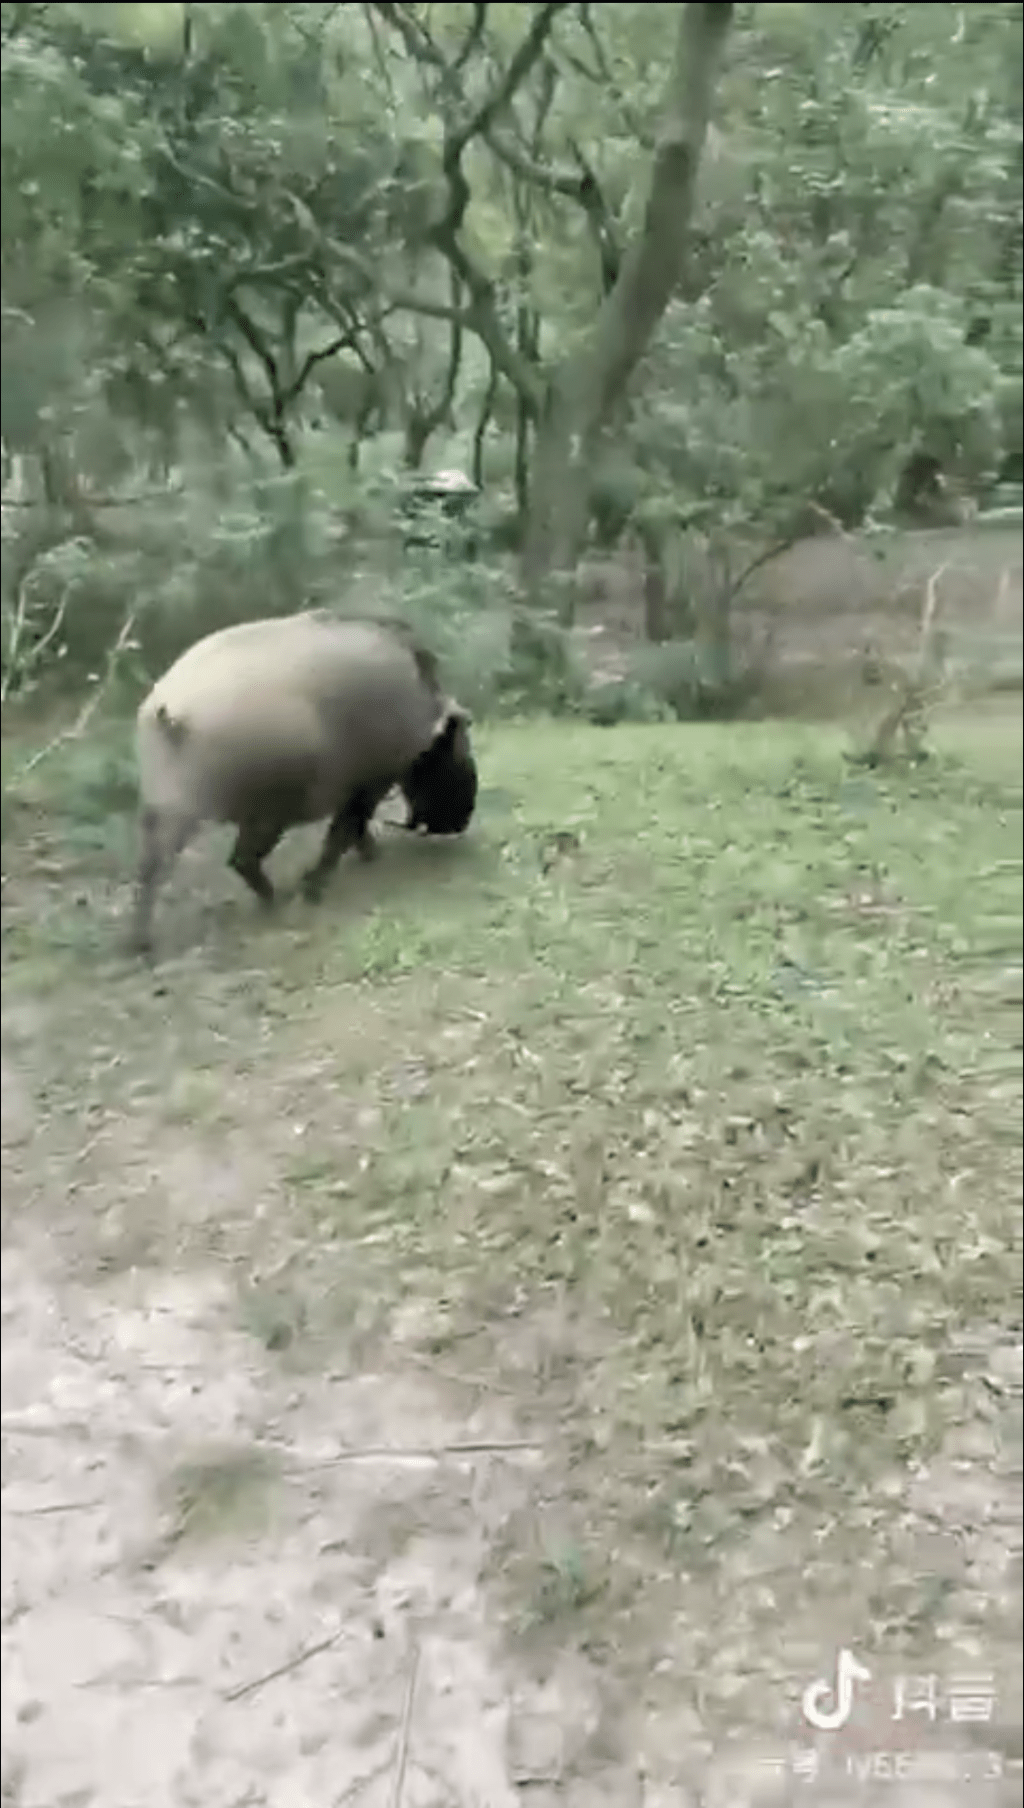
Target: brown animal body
[286,721]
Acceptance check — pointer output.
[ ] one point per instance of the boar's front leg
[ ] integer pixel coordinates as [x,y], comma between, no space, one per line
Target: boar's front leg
[349,827]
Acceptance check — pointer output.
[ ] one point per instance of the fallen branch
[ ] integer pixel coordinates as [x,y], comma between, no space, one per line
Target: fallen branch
[88,709]
[285,1669]
[373,1453]
[403,1738]
[17,1425]
[55,1506]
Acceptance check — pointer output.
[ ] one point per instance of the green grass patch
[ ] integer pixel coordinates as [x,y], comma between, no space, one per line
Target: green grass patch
[687,1089]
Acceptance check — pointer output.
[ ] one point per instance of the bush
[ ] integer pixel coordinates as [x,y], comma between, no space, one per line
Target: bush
[676,676]
[233,544]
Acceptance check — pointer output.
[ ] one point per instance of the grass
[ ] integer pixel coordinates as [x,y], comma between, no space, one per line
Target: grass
[687,1095]
[218,1494]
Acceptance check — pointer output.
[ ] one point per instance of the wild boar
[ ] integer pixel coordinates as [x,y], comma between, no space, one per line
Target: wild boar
[289,720]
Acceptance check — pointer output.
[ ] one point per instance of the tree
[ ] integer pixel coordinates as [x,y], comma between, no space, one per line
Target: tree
[482,223]
[571,402]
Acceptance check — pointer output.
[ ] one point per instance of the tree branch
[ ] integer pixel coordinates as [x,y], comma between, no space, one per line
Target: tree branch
[480,316]
[257,344]
[482,319]
[604,76]
[473,36]
[540,175]
[241,381]
[413,33]
[518,69]
[424,421]
[297,264]
[601,225]
[344,342]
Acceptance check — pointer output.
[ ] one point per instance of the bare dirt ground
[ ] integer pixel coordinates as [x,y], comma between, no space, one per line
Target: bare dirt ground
[225,1584]
[811,616]
[228,1585]
[281,1528]
[338,1651]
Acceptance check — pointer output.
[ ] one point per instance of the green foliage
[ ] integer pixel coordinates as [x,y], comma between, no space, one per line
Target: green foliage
[859,299]
[223,250]
[614,700]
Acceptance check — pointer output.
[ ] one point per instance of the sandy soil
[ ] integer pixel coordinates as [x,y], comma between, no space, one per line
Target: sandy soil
[227,1586]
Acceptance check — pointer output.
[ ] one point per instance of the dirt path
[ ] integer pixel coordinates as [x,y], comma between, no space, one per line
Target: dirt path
[228,1586]
[201,1591]
[178,1527]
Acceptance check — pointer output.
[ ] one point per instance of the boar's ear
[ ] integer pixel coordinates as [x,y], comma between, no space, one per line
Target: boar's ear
[448,725]
[455,717]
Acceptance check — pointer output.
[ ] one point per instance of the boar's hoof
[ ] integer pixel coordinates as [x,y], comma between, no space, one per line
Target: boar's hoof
[311,885]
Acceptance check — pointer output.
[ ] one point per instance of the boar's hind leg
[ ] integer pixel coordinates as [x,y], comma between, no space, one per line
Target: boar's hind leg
[349,827]
[256,839]
[162,840]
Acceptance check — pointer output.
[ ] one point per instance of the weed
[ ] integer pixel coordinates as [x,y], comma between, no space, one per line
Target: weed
[218,1493]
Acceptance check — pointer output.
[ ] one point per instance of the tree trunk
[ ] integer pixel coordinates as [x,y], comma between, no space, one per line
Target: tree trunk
[486,410]
[656,624]
[522,459]
[280,439]
[417,433]
[583,394]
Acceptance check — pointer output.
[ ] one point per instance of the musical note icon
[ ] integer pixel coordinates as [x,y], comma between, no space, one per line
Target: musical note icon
[848,1671]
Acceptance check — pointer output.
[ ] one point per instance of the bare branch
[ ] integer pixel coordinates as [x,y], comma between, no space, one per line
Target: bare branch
[540,175]
[402,1758]
[315,38]
[297,264]
[253,336]
[81,721]
[474,34]
[481,315]
[766,557]
[602,75]
[285,1669]
[260,414]
[482,319]
[378,51]
[413,33]
[518,69]
[199,179]
[343,342]
[549,75]
[424,422]
[580,186]
[396,301]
